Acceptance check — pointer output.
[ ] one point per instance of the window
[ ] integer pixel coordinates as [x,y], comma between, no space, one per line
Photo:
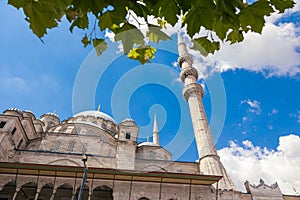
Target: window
[56,146]
[13,131]
[2,124]
[84,148]
[71,146]
[127,136]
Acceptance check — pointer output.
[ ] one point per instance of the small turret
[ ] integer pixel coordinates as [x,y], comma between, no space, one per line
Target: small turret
[50,120]
[127,141]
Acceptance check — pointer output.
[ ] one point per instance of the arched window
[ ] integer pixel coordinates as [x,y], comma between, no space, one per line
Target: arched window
[144,198]
[102,192]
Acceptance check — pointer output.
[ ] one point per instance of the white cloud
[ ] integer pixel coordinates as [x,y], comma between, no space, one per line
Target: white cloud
[15,85]
[110,35]
[250,162]
[296,115]
[270,126]
[272,52]
[254,106]
[175,64]
[273,112]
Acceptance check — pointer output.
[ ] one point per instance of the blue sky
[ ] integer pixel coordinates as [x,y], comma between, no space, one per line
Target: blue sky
[258,89]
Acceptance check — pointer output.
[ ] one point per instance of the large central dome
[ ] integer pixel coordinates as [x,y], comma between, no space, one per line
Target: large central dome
[96,114]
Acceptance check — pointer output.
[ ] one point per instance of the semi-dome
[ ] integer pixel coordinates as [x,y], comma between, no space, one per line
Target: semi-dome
[94,113]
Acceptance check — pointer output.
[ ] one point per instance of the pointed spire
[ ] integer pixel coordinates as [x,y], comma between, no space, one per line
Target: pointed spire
[99,108]
[155,132]
[181,46]
[184,56]
[155,129]
[180,39]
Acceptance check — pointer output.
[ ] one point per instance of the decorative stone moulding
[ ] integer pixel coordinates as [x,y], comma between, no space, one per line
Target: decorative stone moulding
[189,71]
[192,88]
[185,58]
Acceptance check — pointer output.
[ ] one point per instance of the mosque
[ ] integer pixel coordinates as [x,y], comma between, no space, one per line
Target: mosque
[90,156]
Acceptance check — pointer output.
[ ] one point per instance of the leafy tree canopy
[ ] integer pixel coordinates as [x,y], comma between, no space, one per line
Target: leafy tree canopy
[227,19]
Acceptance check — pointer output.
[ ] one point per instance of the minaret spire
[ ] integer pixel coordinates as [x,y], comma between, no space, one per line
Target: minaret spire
[155,132]
[209,161]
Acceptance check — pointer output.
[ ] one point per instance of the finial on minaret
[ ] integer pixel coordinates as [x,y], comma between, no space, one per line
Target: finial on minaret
[155,132]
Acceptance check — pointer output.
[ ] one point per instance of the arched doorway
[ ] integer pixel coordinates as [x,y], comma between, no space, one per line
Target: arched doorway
[8,190]
[64,192]
[27,191]
[144,198]
[102,192]
[85,193]
[46,191]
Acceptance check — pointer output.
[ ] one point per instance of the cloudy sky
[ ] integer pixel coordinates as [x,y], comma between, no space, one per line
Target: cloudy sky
[251,91]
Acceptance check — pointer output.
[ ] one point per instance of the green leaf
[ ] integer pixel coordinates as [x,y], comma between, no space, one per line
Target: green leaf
[19,3]
[223,24]
[281,5]
[100,45]
[235,36]
[143,54]
[129,35]
[167,9]
[80,22]
[110,20]
[253,15]
[155,34]
[197,17]
[205,46]
[184,5]
[39,17]
[139,9]
[94,6]
[85,41]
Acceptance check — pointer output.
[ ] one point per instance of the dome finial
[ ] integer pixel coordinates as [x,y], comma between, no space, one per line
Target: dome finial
[99,108]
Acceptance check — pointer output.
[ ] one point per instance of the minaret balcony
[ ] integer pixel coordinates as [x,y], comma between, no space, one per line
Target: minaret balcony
[192,89]
[189,71]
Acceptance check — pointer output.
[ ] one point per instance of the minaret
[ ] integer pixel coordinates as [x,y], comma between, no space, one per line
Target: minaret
[155,132]
[209,160]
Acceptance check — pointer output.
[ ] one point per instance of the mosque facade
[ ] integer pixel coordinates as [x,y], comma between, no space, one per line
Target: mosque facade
[90,156]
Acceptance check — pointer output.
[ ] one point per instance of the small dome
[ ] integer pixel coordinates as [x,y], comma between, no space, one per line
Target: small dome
[94,113]
[128,122]
[148,144]
[16,109]
[52,114]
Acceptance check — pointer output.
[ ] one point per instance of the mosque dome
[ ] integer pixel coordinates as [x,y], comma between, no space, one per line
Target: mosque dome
[96,114]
